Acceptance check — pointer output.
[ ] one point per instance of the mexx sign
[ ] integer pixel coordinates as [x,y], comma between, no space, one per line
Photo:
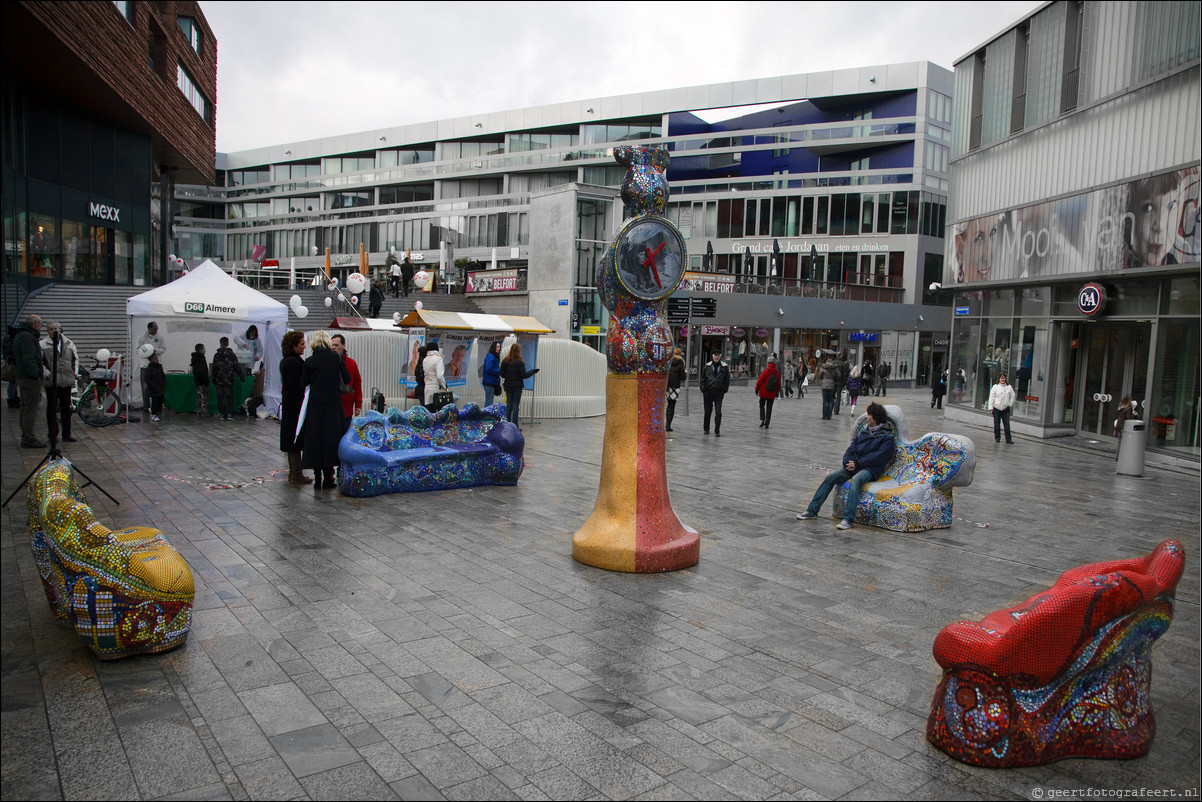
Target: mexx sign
[105,212]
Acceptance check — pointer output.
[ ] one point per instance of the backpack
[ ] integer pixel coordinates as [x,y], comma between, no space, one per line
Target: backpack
[773,383]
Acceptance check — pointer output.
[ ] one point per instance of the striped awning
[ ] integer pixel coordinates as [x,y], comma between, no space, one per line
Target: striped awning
[471,321]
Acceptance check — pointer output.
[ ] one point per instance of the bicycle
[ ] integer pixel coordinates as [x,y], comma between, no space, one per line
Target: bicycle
[96,403]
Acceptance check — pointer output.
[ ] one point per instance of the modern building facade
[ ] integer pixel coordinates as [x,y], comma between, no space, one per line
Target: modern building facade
[816,223]
[103,107]
[1073,240]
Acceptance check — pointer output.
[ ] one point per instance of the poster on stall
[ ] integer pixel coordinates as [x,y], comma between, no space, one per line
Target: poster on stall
[417,338]
[456,348]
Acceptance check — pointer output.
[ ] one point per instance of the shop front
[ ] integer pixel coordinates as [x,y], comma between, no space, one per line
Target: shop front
[1072,364]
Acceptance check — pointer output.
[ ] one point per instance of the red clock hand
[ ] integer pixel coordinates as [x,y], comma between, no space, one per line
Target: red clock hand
[650,262]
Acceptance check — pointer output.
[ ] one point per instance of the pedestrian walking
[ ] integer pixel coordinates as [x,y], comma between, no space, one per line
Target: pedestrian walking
[490,377]
[882,378]
[406,276]
[292,395]
[225,372]
[767,386]
[61,362]
[844,368]
[938,390]
[513,378]
[715,382]
[864,461]
[156,385]
[27,352]
[787,377]
[352,398]
[158,345]
[324,374]
[853,388]
[1001,400]
[828,382]
[200,377]
[394,278]
[867,378]
[676,377]
[376,298]
[435,372]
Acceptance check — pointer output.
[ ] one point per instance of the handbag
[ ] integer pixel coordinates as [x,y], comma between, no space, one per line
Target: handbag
[673,394]
[441,399]
[9,372]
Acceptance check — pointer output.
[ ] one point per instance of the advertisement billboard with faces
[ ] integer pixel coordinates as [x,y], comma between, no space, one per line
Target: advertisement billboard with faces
[1150,222]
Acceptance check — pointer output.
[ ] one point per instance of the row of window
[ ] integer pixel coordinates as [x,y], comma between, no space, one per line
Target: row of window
[836,215]
[501,229]
[188,86]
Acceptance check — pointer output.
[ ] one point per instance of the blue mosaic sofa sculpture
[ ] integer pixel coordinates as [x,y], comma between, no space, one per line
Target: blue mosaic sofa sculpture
[915,491]
[404,452]
[124,592]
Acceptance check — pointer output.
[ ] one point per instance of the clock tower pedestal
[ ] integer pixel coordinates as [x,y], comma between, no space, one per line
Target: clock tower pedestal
[633,526]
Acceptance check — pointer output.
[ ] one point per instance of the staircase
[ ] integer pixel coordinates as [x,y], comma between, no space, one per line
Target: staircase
[93,316]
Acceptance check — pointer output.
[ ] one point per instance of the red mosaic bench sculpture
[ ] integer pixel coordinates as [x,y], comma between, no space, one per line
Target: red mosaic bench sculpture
[1067,673]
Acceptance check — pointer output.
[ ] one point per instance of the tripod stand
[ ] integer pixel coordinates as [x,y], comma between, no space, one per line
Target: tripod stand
[53,452]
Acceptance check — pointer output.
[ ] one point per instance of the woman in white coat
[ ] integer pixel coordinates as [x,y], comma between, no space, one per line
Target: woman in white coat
[435,371]
[1001,400]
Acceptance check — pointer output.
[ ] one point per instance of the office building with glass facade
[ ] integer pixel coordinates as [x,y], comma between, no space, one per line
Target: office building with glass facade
[815,223]
[103,107]
[1073,230]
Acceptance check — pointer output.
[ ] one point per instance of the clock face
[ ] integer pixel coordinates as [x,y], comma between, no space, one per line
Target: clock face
[650,257]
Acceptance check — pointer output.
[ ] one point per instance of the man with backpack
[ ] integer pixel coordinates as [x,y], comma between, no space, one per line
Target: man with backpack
[226,370]
[767,386]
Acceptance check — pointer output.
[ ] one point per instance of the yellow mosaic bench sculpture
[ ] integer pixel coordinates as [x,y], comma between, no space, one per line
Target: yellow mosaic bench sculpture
[124,592]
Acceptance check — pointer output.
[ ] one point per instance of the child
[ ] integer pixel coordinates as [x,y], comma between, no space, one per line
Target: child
[156,386]
[200,374]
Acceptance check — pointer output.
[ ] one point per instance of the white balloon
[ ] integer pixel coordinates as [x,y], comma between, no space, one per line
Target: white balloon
[334,280]
[145,350]
[301,311]
[333,285]
[103,355]
[354,300]
[417,304]
[171,258]
[356,283]
[396,317]
[312,250]
[294,302]
[328,301]
[421,278]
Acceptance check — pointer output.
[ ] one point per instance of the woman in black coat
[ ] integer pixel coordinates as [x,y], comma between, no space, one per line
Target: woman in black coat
[513,379]
[324,374]
[292,393]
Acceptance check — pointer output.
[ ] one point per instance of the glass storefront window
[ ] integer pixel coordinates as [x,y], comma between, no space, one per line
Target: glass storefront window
[45,248]
[1027,372]
[75,251]
[1172,414]
[961,379]
[122,256]
[1180,296]
[141,261]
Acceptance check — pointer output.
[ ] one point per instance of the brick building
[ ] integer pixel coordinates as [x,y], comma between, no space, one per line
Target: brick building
[104,106]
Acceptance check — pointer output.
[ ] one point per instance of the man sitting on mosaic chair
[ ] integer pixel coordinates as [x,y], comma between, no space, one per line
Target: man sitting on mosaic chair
[864,461]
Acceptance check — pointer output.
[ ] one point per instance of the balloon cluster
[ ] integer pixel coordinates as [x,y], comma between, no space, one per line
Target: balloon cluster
[298,308]
[177,263]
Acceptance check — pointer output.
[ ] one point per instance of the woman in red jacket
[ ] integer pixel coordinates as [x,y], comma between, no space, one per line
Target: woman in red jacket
[767,386]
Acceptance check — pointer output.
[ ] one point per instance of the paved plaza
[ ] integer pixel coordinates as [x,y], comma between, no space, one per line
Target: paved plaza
[446,646]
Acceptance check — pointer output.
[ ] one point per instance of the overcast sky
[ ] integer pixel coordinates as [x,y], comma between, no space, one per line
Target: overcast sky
[303,70]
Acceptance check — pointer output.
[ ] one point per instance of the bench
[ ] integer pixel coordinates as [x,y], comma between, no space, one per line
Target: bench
[415,450]
[124,592]
[1067,673]
[915,492]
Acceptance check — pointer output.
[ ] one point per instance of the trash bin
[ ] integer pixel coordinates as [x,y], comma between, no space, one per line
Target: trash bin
[1131,448]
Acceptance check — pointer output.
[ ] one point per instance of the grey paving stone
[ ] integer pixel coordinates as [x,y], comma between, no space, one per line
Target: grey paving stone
[354,782]
[457,625]
[314,749]
[281,708]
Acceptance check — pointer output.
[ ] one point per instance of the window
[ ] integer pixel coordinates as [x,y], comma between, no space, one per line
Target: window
[1018,106]
[191,32]
[1074,23]
[977,109]
[242,178]
[348,164]
[194,96]
[126,7]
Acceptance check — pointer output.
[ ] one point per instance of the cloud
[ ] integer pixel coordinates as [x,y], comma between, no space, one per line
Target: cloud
[310,69]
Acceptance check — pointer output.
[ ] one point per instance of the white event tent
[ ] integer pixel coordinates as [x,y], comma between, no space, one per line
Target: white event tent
[203,306]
